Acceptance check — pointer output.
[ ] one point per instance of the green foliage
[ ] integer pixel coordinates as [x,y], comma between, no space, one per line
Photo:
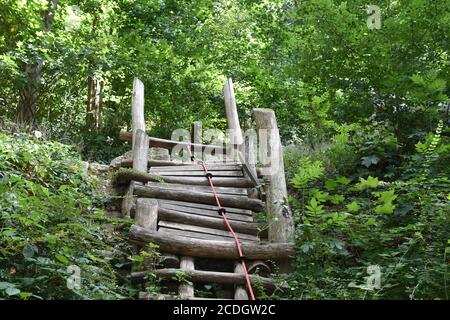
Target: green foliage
[344,227]
[308,171]
[50,220]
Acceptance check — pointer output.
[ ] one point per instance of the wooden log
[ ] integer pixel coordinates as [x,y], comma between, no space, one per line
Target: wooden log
[196,167]
[137,107]
[146,214]
[192,234]
[281,229]
[128,200]
[212,222]
[213,208]
[231,112]
[140,151]
[193,173]
[186,290]
[211,249]
[248,170]
[125,176]
[207,189]
[239,291]
[201,276]
[206,230]
[202,212]
[128,163]
[162,192]
[170,144]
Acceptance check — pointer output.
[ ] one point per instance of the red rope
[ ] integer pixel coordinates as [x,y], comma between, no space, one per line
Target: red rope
[236,239]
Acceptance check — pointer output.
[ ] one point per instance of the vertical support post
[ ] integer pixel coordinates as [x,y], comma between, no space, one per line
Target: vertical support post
[140,150]
[235,132]
[186,290]
[137,108]
[146,214]
[231,112]
[239,291]
[281,229]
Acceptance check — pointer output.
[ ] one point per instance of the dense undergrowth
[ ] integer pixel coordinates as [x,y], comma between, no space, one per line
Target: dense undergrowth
[362,205]
[52,226]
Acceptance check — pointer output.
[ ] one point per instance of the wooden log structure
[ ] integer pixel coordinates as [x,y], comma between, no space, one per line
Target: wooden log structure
[125,176]
[211,249]
[281,229]
[173,205]
[170,144]
[186,290]
[163,192]
[201,276]
[239,291]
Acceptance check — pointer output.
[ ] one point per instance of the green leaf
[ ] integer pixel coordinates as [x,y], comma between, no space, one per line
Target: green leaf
[353,207]
[368,161]
[62,258]
[370,183]
[12,291]
[386,208]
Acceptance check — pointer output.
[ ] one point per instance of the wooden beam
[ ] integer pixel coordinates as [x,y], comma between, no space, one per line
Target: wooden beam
[206,230]
[186,290]
[162,192]
[200,276]
[239,291]
[211,249]
[211,222]
[170,144]
[281,229]
[137,107]
[128,163]
[140,151]
[146,214]
[231,112]
[125,176]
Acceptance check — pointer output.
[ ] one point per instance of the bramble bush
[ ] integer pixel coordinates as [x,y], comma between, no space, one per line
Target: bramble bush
[50,220]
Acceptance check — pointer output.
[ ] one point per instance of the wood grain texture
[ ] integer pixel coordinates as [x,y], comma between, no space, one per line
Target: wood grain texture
[162,192]
[211,249]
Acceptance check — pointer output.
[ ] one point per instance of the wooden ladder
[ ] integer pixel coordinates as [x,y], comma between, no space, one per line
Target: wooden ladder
[173,206]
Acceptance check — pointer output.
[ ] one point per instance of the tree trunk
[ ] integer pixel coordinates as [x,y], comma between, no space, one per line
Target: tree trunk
[27,105]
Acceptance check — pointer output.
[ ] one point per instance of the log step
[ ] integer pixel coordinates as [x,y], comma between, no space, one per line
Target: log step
[215,221]
[196,167]
[204,230]
[209,207]
[209,248]
[196,173]
[207,189]
[162,192]
[192,234]
[155,296]
[125,176]
[203,212]
[201,276]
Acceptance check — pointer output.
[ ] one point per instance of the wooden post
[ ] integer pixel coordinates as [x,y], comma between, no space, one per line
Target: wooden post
[231,112]
[140,151]
[281,229]
[239,292]
[146,214]
[137,108]
[186,290]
